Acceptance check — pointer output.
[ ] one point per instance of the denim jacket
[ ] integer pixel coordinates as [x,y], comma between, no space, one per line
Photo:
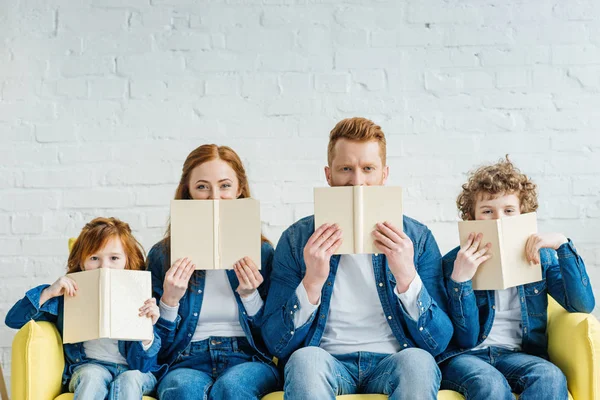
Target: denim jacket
[472,311]
[177,335]
[28,308]
[431,332]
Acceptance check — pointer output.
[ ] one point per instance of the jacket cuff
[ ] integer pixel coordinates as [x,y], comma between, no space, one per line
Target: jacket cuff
[458,290]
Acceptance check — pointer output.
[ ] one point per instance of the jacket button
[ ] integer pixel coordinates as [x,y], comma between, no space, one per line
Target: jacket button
[535,291]
[195,314]
[456,289]
[189,335]
[484,336]
[493,307]
[291,332]
[77,359]
[421,328]
[199,290]
[389,317]
[405,345]
[380,284]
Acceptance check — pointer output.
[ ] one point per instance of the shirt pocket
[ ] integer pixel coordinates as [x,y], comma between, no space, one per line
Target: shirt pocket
[536,295]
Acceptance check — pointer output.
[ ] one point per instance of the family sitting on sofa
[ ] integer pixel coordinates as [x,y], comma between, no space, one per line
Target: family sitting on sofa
[405,322]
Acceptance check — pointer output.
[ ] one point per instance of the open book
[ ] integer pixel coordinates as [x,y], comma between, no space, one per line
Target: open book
[215,234]
[107,305]
[357,209]
[508,266]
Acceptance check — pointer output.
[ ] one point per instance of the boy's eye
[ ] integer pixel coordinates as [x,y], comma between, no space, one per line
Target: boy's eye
[510,210]
[487,212]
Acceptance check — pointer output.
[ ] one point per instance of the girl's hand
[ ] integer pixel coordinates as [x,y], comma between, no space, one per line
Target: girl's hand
[176,281]
[63,286]
[150,310]
[248,276]
[469,258]
[539,241]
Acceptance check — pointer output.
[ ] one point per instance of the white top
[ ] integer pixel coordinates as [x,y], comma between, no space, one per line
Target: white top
[219,314]
[506,328]
[356,321]
[104,350]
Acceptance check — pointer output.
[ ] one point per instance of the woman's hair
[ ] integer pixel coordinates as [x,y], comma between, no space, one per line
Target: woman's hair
[490,181]
[94,236]
[199,156]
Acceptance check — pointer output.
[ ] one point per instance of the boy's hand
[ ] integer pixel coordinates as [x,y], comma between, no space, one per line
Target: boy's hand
[63,285]
[176,281]
[318,251]
[469,258]
[150,310]
[539,241]
[248,276]
[399,251]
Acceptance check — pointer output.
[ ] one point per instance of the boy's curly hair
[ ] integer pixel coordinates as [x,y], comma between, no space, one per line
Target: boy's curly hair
[490,181]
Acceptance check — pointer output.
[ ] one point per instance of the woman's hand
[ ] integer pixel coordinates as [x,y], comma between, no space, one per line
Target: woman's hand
[177,280]
[248,276]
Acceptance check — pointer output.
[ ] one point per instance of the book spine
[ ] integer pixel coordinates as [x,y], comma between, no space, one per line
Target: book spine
[104,292]
[216,238]
[358,219]
[500,253]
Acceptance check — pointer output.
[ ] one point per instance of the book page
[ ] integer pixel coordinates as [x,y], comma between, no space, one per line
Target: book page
[380,204]
[335,205]
[489,275]
[128,292]
[82,311]
[192,232]
[239,231]
[515,232]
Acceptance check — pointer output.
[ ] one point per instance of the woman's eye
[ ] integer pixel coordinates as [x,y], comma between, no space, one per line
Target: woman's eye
[201,187]
[226,186]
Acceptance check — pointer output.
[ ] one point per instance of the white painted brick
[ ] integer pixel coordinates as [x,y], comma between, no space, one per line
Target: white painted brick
[157,218]
[575,55]
[57,178]
[382,17]
[97,198]
[150,65]
[511,56]
[17,132]
[71,88]
[514,78]
[85,153]
[27,224]
[221,60]
[154,195]
[367,58]
[76,66]
[332,83]
[28,200]
[4,224]
[352,38]
[586,186]
[259,40]
[92,20]
[55,132]
[148,89]
[37,111]
[11,246]
[223,85]
[260,85]
[19,89]
[107,88]
[44,246]
[183,41]
[121,43]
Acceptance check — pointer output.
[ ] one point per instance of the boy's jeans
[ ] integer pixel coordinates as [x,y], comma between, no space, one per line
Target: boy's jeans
[100,381]
[312,373]
[494,373]
[219,368]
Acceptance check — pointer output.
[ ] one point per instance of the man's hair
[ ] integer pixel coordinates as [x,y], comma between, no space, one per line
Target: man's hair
[490,181]
[359,130]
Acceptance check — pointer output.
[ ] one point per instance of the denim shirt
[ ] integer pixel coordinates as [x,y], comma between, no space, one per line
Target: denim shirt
[28,308]
[431,331]
[472,311]
[177,335]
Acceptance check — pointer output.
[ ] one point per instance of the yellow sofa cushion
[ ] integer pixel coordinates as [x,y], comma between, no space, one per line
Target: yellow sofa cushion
[37,362]
[574,346]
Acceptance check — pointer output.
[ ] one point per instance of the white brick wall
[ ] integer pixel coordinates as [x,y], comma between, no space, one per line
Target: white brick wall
[101,100]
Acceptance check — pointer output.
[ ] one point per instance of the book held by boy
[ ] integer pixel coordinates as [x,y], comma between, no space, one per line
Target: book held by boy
[107,305]
[215,234]
[357,210]
[508,266]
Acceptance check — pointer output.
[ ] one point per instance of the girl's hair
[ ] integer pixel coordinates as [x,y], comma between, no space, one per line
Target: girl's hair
[199,156]
[95,234]
[493,180]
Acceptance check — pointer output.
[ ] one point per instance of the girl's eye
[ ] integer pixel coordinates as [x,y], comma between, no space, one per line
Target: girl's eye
[115,258]
[94,258]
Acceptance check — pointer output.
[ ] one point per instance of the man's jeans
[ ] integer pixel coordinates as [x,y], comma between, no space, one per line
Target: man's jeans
[312,373]
[494,373]
[101,380]
[220,368]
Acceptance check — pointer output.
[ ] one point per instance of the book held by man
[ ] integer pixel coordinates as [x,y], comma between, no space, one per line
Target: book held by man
[107,305]
[215,234]
[357,210]
[508,266]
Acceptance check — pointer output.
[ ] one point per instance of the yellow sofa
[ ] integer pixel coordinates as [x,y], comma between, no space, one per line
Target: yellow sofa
[574,345]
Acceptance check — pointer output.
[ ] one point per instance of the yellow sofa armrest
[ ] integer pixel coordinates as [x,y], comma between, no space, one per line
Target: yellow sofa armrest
[37,362]
[574,346]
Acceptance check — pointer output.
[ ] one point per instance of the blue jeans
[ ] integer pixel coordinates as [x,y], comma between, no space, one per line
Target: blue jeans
[312,373]
[100,380]
[219,368]
[494,373]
